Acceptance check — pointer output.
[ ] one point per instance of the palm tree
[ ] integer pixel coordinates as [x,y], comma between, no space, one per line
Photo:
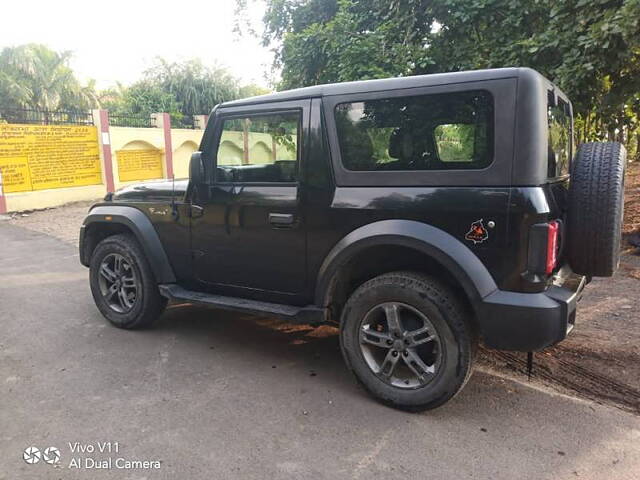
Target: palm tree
[196,87]
[36,77]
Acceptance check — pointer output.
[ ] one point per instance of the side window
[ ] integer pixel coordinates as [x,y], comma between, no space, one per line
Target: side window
[560,146]
[259,148]
[426,132]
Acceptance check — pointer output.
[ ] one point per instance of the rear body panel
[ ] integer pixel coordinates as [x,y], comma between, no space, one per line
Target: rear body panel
[453,210]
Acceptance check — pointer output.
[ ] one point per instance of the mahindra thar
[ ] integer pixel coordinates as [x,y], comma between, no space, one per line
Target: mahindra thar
[420,215]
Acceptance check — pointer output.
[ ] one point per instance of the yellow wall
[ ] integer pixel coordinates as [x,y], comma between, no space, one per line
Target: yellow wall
[260,148]
[18,202]
[121,138]
[144,163]
[140,144]
[130,138]
[48,165]
[41,157]
[184,143]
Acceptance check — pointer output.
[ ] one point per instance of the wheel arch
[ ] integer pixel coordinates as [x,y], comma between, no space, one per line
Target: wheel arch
[446,255]
[104,221]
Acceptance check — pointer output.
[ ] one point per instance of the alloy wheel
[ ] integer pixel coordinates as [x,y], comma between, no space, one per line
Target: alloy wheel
[400,345]
[118,283]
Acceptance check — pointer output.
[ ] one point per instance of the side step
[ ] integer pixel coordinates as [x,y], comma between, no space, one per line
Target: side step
[309,314]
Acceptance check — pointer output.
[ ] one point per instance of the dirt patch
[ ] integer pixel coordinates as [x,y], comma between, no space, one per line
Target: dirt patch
[600,360]
[62,222]
[632,200]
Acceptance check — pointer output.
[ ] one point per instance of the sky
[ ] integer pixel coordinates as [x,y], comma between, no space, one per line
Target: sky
[116,40]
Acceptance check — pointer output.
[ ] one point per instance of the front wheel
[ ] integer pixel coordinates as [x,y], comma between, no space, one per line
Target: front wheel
[407,339]
[122,283]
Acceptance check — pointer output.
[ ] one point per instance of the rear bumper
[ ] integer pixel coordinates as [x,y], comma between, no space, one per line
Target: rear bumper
[531,321]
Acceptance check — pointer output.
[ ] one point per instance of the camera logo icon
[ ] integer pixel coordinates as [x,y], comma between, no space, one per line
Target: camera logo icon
[31,455]
[50,455]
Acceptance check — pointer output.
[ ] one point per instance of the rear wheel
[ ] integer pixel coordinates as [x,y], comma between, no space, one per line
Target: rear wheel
[406,338]
[122,283]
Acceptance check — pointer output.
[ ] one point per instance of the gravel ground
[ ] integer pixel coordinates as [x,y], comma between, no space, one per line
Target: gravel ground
[62,222]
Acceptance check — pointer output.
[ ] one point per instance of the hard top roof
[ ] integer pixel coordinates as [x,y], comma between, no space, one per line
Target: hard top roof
[385,84]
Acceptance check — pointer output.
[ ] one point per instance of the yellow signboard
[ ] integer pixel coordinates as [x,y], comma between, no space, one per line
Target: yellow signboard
[37,157]
[142,164]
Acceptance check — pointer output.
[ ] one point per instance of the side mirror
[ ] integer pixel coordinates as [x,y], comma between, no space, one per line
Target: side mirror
[196,168]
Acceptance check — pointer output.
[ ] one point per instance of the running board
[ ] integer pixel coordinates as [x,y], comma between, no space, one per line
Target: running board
[309,314]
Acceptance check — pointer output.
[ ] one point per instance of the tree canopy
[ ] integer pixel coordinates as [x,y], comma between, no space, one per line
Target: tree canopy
[181,89]
[590,48]
[33,76]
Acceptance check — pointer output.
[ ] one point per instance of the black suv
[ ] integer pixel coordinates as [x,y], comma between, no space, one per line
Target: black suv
[420,215]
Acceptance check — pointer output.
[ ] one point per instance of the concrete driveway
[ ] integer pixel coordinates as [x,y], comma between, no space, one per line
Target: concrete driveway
[209,394]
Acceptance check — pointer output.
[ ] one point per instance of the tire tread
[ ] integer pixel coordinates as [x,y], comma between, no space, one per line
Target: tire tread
[596,206]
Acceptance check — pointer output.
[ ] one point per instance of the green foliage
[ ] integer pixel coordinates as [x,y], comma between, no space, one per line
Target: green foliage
[141,99]
[455,142]
[252,90]
[327,40]
[36,77]
[195,88]
[590,48]
[180,89]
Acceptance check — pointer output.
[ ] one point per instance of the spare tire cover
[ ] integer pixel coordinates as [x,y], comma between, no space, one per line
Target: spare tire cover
[595,210]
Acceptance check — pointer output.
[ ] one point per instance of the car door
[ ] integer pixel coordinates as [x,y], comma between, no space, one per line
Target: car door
[248,232]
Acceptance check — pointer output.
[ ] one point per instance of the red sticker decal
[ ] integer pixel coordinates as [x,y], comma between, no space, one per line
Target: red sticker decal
[477,233]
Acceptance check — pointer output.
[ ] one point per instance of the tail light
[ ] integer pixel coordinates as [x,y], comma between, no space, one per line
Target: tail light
[544,247]
[552,247]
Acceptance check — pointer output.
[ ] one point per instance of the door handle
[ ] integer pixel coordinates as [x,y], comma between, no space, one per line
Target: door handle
[196,211]
[281,219]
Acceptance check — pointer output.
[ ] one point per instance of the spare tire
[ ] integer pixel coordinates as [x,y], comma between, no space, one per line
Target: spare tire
[595,209]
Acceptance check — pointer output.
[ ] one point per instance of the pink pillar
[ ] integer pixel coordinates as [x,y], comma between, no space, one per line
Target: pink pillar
[105,144]
[3,200]
[165,124]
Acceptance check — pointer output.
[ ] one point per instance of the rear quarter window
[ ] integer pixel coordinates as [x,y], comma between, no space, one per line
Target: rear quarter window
[428,132]
[560,144]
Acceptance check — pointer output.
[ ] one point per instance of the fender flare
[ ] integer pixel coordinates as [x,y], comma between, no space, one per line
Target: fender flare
[447,250]
[142,228]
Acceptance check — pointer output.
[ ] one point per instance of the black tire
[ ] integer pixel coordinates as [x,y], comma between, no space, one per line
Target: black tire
[146,304]
[596,207]
[417,294]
